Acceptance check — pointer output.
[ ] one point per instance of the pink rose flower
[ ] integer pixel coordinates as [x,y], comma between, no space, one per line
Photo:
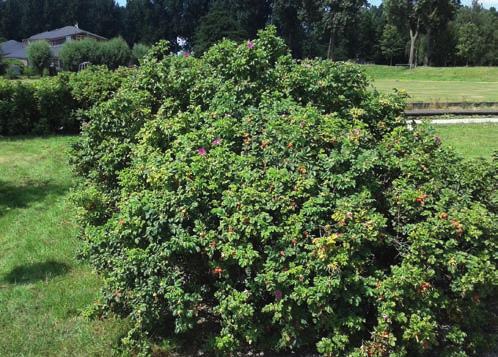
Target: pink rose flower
[216,141]
[250,44]
[202,151]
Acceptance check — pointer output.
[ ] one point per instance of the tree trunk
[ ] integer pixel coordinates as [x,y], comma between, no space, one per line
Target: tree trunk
[330,50]
[413,39]
[428,52]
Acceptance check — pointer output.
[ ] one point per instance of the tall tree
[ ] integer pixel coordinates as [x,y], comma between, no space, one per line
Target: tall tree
[286,15]
[469,42]
[332,16]
[218,24]
[368,33]
[476,30]
[10,24]
[252,15]
[20,19]
[419,16]
[391,42]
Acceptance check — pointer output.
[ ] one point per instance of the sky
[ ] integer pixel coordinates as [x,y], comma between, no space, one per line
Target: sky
[486,3]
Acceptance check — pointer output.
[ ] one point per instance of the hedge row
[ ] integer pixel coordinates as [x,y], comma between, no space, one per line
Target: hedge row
[244,202]
[54,104]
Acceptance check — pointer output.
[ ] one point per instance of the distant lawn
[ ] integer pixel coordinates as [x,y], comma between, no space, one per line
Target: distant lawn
[43,288]
[470,140]
[466,74]
[435,84]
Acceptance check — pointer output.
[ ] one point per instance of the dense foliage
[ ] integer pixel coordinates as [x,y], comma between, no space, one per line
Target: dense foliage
[20,19]
[39,55]
[73,53]
[139,51]
[243,201]
[96,84]
[112,53]
[40,107]
[345,29]
[55,104]
[217,25]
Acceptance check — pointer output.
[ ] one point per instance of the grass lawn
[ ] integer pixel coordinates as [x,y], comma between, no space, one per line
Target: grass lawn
[43,288]
[436,84]
[471,140]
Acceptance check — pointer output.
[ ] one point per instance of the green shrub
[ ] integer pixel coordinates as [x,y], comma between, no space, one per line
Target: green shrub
[244,202]
[17,108]
[114,53]
[12,72]
[39,55]
[139,51]
[29,72]
[9,62]
[56,104]
[219,23]
[96,84]
[41,107]
[73,53]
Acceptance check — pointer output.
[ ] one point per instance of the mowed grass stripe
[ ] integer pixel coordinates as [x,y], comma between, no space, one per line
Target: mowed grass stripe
[43,288]
[441,91]
[436,84]
[422,73]
[470,140]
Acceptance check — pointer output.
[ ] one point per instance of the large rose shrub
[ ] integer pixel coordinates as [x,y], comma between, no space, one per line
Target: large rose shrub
[244,201]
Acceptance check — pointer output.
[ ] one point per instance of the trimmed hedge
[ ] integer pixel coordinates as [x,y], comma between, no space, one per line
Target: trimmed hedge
[244,202]
[112,53]
[37,107]
[55,104]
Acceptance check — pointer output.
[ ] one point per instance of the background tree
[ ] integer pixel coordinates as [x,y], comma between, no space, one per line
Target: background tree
[139,51]
[138,22]
[438,14]
[22,18]
[469,42]
[219,23]
[417,17]
[10,14]
[391,43]
[332,16]
[252,15]
[287,15]
[39,55]
[113,53]
[74,53]
[103,17]
[480,24]
[339,29]
[368,34]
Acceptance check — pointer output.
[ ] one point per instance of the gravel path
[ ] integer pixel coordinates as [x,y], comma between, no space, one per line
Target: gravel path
[460,121]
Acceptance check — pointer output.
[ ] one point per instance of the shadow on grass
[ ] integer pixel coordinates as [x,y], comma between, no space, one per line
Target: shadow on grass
[30,273]
[21,196]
